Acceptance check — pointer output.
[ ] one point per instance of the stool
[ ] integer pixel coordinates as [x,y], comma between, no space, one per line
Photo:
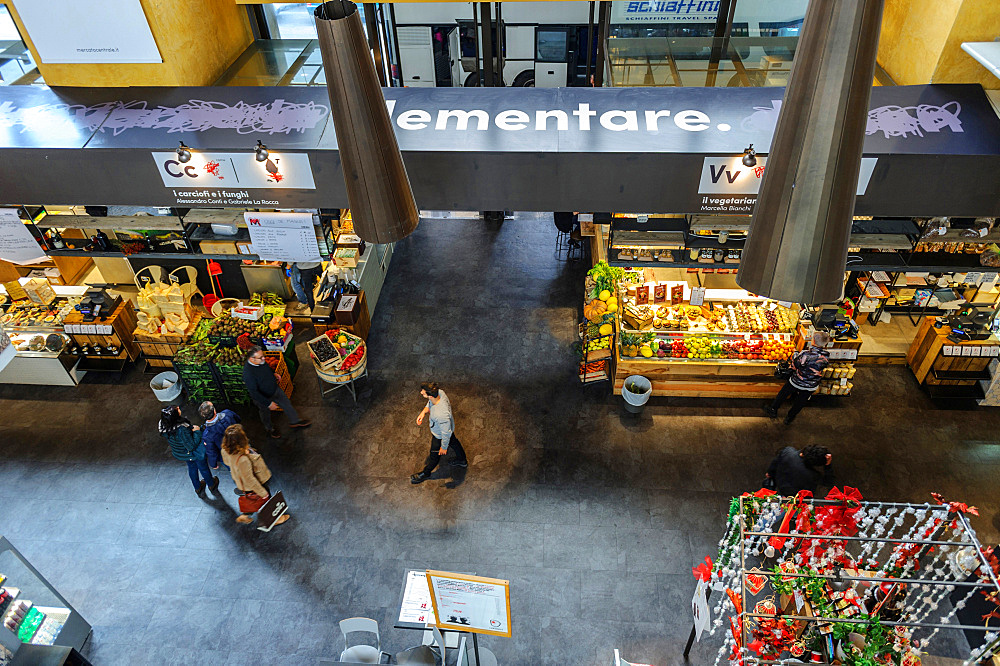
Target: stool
[330,381]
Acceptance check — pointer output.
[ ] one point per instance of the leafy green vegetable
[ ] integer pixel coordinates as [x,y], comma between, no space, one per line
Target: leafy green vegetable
[606,276]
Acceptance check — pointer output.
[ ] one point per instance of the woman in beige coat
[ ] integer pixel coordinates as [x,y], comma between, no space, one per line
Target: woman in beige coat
[247,468]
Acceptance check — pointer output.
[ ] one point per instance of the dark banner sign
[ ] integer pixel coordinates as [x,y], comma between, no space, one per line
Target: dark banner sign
[627,149]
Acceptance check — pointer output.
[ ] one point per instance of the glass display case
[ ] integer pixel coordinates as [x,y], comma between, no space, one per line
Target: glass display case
[32,611]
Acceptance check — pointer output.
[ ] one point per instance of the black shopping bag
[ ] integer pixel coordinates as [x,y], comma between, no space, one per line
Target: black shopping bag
[273,509]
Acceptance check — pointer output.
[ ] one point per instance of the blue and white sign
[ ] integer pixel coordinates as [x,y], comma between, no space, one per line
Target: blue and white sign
[664,11]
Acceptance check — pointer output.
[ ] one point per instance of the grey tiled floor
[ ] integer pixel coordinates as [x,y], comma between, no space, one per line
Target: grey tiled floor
[596,517]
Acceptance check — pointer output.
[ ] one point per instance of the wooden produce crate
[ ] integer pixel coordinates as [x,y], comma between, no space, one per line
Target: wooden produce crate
[160,349]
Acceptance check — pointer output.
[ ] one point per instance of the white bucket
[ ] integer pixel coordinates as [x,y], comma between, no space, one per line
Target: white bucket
[166,386]
[635,401]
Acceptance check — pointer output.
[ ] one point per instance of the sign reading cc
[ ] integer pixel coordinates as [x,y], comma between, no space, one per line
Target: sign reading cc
[187,171]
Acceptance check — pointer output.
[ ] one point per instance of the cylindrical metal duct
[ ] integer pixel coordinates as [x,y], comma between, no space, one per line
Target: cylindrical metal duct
[378,188]
[801,226]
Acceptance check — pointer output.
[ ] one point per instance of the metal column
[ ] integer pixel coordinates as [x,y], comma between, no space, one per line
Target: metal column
[801,225]
[374,42]
[603,23]
[486,32]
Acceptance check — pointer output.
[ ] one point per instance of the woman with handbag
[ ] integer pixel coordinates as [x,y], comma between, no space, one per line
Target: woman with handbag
[185,444]
[249,473]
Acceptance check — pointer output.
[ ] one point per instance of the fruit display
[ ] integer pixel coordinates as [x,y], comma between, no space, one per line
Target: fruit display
[707,347]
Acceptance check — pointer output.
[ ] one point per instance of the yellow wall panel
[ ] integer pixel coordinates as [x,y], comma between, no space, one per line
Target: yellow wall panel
[197,39]
[913,34]
[921,40]
[977,21]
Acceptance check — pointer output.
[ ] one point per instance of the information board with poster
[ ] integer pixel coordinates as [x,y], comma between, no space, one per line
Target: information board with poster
[470,603]
[283,236]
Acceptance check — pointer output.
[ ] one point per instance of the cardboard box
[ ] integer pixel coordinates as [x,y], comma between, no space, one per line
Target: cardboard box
[345,257]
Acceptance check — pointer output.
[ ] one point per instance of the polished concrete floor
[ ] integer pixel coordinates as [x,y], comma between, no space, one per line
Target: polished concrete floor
[596,517]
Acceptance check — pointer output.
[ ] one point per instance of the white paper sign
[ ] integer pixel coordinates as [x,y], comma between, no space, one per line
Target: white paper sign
[967,351]
[697,295]
[417,606]
[948,350]
[283,236]
[699,609]
[89,31]
[17,245]
[470,603]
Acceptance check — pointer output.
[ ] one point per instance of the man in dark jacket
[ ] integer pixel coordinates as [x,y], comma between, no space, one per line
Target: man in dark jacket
[262,385]
[807,370]
[793,470]
[215,427]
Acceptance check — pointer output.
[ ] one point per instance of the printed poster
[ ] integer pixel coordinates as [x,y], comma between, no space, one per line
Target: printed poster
[17,245]
[417,606]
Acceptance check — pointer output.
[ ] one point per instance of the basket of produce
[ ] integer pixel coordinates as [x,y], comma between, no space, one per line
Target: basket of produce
[338,356]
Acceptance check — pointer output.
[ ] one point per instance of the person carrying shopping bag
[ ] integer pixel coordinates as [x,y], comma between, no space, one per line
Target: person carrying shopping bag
[249,472]
[185,444]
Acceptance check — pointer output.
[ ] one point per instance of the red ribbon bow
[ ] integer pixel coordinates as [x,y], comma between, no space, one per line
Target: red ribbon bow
[703,572]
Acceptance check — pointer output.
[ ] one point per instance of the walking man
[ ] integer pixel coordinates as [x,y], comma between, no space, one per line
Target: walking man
[442,424]
[213,430]
[807,370]
[262,384]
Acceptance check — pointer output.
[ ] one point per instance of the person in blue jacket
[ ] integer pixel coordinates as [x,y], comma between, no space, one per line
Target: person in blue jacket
[215,427]
[185,444]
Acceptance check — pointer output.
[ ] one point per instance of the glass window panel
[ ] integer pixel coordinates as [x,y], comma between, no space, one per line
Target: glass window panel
[552,45]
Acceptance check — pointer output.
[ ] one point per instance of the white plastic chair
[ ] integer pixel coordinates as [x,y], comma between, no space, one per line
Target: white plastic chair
[362,654]
[190,288]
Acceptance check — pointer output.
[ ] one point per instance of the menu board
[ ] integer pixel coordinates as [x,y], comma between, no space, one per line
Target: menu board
[283,236]
[417,606]
[17,245]
[470,603]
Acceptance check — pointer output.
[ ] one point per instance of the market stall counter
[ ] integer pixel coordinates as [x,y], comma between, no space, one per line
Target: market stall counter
[696,342]
[949,366]
[34,317]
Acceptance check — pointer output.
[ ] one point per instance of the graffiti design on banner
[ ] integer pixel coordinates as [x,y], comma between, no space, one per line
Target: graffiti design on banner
[902,121]
[276,117]
[892,121]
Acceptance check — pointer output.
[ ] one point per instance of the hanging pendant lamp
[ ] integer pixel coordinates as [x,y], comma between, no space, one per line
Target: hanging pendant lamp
[378,188]
[797,246]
